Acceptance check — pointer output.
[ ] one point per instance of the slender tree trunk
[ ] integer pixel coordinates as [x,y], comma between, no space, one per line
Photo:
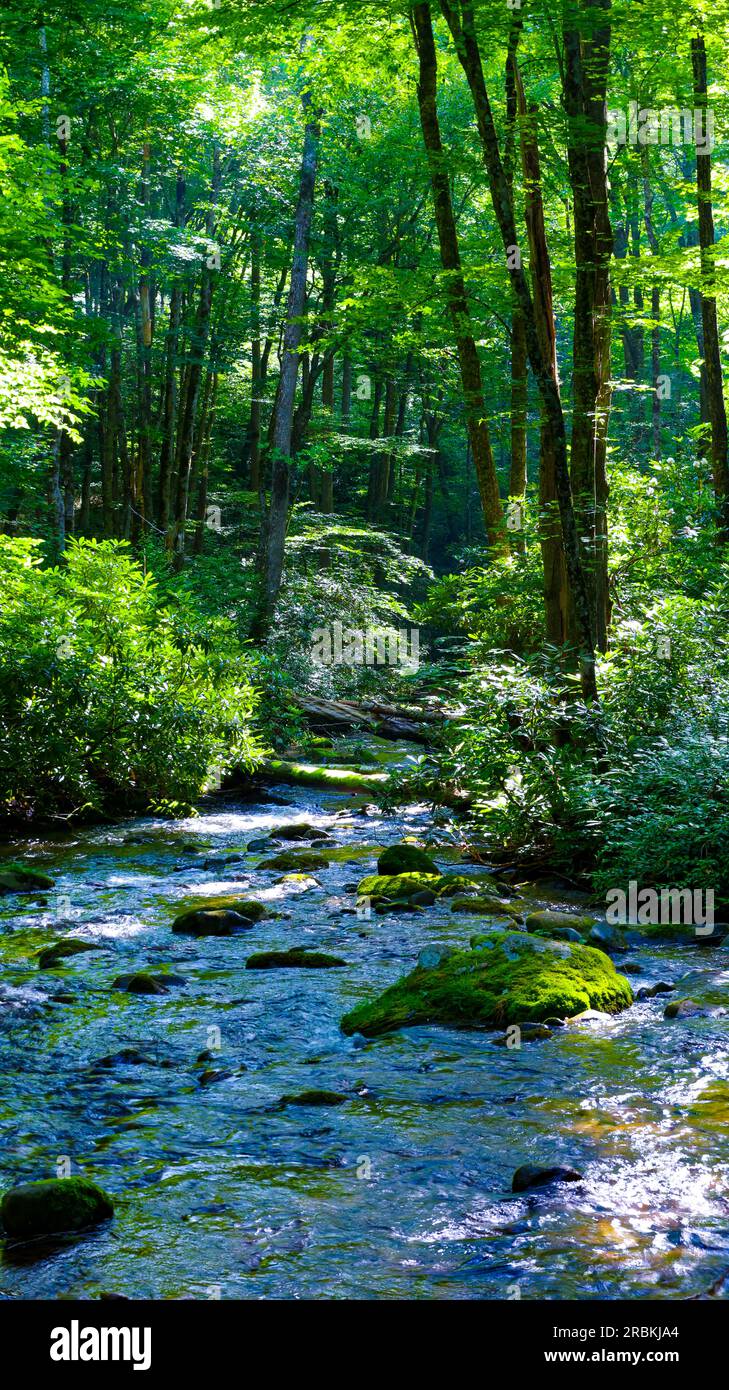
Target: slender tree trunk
[709,319]
[455,287]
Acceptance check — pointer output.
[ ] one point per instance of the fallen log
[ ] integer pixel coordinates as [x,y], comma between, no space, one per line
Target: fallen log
[388,721]
[313,775]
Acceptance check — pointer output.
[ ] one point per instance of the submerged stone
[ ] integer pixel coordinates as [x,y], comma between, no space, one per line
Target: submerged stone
[15,878]
[405,859]
[296,860]
[297,958]
[300,831]
[60,951]
[531,1175]
[685,1008]
[141,982]
[54,1205]
[514,978]
[315,1098]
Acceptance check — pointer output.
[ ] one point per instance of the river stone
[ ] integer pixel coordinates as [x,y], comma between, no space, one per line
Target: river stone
[685,1008]
[396,887]
[315,1098]
[548,918]
[528,1032]
[518,979]
[220,921]
[54,955]
[432,956]
[425,898]
[15,878]
[531,1175]
[141,982]
[54,1205]
[299,957]
[487,907]
[302,831]
[607,938]
[405,859]
[295,860]
[559,933]
[262,845]
[650,991]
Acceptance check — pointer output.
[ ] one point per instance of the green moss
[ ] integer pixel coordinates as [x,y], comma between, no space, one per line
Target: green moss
[488,907]
[333,778]
[15,878]
[547,919]
[56,1204]
[513,978]
[244,907]
[54,955]
[297,958]
[405,859]
[211,922]
[315,1098]
[295,860]
[391,886]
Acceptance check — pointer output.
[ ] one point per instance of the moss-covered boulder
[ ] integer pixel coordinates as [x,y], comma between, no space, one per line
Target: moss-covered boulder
[295,860]
[216,921]
[331,778]
[298,883]
[52,1206]
[15,878]
[453,885]
[405,859]
[546,920]
[298,958]
[391,887]
[485,907]
[511,978]
[315,1098]
[61,951]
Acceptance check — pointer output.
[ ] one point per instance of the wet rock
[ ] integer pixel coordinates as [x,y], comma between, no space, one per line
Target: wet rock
[685,1008]
[487,907]
[142,982]
[301,881]
[210,1076]
[61,951]
[262,845]
[211,922]
[531,1175]
[301,831]
[295,860]
[54,1205]
[559,934]
[514,978]
[15,878]
[607,938]
[299,957]
[396,887]
[425,898]
[432,956]
[650,991]
[549,919]
[315,1098]
[383,905]
[222,861]
[631,967]
[405,859]
[528,1032]
[126,1057]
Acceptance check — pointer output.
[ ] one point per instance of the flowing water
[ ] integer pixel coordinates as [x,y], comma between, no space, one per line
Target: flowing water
[402,1191]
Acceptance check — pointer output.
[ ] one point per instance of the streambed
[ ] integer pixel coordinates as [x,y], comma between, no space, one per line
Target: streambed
[400,1191]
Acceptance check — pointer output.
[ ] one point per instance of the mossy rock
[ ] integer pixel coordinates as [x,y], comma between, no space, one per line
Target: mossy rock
[295,860]
[15,878]
[390,887]
[315,1098]
[221,921]
[329,778]
[547,919]
[229,902]
[54,1205]
[61,951]
[142,982]
[302,830]
[486,907]
[455,885]
[303,881]
[297,958]
[405,859]
[513,978]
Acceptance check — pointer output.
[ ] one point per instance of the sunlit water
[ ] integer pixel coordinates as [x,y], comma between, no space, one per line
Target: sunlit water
[402,1191]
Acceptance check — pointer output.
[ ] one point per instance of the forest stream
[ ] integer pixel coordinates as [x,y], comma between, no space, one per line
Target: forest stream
[188,1107]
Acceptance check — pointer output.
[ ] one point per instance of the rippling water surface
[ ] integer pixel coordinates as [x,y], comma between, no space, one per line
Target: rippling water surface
[403,1190]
